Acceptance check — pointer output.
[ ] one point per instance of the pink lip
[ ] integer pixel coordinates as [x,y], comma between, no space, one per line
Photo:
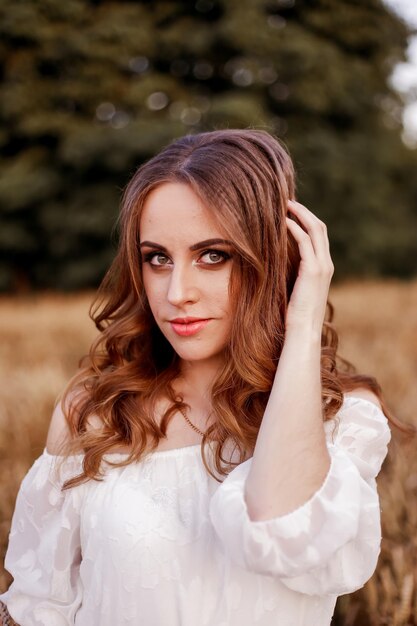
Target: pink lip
[189,329]
[187,320]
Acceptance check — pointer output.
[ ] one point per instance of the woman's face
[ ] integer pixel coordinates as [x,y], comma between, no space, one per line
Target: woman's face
[185,272]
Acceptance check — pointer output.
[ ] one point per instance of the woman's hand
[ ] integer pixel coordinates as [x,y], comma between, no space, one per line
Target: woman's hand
[307,306]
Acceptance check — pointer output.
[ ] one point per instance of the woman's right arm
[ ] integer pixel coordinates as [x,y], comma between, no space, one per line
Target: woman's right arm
[44,550]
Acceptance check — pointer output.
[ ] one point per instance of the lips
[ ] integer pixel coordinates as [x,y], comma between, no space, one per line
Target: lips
[187,320]
[186,328]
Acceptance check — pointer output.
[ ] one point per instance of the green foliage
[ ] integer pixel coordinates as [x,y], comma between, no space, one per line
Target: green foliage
[93,88]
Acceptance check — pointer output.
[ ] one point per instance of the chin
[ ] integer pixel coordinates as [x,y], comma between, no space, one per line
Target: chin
[197,354]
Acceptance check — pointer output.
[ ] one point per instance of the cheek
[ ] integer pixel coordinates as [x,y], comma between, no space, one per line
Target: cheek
[153,293]
[221,294]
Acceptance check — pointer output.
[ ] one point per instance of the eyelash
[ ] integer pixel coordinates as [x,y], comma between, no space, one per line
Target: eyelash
[225,256]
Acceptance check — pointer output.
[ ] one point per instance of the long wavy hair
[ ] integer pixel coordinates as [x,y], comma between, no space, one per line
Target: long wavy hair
[245,178]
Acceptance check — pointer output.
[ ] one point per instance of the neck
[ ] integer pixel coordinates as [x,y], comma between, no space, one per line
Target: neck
[196,380]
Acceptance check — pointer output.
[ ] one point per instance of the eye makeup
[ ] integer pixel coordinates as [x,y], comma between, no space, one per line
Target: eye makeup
[224,256]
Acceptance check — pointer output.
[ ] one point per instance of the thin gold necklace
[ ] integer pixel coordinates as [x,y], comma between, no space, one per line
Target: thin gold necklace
[197,430]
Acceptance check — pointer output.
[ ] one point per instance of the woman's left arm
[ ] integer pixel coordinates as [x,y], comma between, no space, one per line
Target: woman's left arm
[305,507]
[290,459]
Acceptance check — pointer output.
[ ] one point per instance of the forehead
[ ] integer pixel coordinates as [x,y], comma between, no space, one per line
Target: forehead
[174,208]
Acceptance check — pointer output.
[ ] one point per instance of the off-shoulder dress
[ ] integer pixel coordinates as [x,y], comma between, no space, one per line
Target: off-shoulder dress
[162,543]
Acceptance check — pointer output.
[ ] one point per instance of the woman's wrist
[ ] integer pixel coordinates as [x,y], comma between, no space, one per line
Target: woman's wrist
[306,332]
[303,345]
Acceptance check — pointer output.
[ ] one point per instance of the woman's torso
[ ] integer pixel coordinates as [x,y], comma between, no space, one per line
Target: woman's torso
[150,553]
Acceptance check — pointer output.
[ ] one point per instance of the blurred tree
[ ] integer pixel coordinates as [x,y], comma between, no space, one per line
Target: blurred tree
[90,89]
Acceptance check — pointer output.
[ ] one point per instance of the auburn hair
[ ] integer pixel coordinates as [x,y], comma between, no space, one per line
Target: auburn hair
[245,178]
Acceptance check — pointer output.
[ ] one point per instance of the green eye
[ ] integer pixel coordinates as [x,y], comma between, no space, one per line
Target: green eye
[148,258]
[220,254]
[215,257]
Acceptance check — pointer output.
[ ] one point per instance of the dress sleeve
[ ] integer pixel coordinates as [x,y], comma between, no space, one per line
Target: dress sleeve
[331,543]
[44,551]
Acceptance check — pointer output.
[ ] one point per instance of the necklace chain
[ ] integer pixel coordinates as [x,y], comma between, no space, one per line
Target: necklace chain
[197,430]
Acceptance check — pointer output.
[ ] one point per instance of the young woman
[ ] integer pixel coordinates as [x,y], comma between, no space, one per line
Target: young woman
[213,462]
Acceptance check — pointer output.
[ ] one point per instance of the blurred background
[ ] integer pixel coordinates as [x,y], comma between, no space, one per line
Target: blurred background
[91,89]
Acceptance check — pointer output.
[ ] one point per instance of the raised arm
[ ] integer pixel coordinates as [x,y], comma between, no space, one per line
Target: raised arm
[305,508]
[291,435]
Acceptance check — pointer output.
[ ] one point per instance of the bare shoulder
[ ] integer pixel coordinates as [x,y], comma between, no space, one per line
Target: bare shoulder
[59,432]
[366,394]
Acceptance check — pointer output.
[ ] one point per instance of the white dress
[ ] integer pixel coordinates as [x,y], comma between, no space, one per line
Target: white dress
[161,543]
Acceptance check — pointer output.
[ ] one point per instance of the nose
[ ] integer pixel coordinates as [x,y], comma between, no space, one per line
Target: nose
[182,285]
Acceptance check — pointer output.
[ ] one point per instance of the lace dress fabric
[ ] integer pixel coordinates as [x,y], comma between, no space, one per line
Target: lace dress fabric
[161,542]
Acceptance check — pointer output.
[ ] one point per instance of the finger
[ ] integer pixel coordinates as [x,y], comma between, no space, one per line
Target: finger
[304,242]
[308,219]
[307,251]
[316,229]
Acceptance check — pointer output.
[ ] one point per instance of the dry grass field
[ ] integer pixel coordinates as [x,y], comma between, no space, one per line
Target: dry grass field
[43,336]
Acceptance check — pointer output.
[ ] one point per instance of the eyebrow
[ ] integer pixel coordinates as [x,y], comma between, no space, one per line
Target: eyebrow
[196,246]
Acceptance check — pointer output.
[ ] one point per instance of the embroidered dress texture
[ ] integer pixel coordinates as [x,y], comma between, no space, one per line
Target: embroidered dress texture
[162,542]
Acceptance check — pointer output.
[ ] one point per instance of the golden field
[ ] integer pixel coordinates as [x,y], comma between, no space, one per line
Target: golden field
[43,336]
